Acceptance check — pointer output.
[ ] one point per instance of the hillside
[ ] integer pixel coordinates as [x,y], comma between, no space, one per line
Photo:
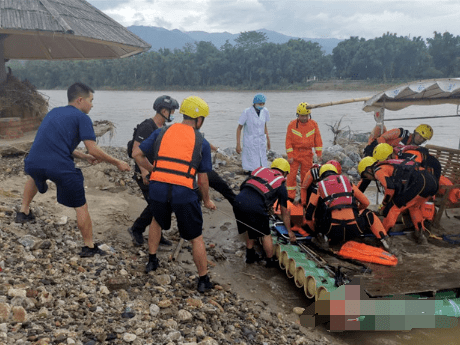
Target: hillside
[176,39]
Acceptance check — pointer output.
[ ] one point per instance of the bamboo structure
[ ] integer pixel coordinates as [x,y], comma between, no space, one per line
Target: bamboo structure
[344,101]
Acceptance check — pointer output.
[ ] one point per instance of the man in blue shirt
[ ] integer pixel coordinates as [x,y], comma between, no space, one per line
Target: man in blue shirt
[51,157]
[180,154]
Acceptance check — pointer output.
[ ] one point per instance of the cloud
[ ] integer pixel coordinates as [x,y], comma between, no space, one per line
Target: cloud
[301,18]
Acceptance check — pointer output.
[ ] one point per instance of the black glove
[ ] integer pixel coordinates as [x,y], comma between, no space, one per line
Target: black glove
[369,149]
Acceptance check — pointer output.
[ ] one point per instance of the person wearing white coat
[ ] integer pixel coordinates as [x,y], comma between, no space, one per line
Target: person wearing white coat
[256,141]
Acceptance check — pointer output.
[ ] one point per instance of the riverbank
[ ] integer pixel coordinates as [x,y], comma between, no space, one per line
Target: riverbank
[329,85]
[48,294]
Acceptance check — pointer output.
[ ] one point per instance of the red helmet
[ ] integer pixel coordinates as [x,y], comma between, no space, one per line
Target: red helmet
[336,164]
[316,165]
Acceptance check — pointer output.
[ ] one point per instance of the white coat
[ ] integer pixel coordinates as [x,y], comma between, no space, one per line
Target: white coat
[254,153]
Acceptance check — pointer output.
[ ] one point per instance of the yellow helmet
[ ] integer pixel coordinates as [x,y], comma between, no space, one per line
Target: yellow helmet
[281,164]
[382,151]
[364,163]
[425,131]
[327,167]
[194,107]
[302,109]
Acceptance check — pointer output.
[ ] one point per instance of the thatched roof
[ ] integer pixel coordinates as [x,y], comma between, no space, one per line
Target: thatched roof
[63,29]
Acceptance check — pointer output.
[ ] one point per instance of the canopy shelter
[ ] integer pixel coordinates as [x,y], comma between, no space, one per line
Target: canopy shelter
[424,92]
[61,30]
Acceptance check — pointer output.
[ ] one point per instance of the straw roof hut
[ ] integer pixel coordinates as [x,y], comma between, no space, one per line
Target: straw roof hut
[61,30]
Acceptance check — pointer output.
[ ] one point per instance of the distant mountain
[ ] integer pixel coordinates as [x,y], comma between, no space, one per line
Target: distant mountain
[176,39]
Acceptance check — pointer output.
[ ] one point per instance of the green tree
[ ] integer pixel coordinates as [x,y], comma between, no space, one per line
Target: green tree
[445,51]
[251,39]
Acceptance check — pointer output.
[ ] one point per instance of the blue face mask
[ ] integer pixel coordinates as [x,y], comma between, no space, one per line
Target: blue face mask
[171,118]
[259,107]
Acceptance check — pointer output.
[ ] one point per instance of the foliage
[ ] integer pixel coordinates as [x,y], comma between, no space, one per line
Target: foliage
[255,64]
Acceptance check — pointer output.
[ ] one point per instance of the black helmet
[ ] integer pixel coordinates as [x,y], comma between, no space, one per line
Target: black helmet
[165,102]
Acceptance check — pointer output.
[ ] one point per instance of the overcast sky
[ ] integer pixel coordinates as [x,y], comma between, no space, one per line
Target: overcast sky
[302,18]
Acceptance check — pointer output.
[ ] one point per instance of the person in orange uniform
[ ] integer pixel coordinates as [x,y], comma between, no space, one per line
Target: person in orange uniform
[302,136]
[400,137]
[309,183]
[406,188]
[181,154]
[339,211]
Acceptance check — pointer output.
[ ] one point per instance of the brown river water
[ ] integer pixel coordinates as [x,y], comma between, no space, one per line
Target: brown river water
[128,108]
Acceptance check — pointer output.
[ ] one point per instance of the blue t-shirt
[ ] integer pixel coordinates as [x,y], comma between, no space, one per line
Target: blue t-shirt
[59,134]
[159,191]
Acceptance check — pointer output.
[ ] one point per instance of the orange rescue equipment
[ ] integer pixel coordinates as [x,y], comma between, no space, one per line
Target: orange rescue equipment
[454,194]
[297,219]
[366,253]
[177,155]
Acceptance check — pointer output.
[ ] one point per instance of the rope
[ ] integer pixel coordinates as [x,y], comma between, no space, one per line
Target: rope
[228,215]
[433,236]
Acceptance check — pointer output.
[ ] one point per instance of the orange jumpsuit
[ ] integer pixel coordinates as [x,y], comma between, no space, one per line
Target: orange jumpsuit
[347,223]
[376,132]
[397,137]
[301,138]
[422,186]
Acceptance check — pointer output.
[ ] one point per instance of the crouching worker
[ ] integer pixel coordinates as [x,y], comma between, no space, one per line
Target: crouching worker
[339,210]
[406,186]
[258,194]
[180,154]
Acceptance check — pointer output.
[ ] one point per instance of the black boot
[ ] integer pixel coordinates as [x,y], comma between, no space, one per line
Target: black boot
[252,256]
[153,264]
[137,237]
[204,284]
[270,262]
[164,241]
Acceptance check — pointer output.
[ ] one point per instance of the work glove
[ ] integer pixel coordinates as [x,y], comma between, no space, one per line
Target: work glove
[369,149]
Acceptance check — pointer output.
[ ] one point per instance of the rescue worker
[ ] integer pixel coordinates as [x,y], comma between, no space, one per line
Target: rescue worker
[309,184]
[256,141]
[405,188]
[422,156]
[258,193]
[399,137]
[381,152]
[180,154]
[302,137]
[344,214]
[164,107]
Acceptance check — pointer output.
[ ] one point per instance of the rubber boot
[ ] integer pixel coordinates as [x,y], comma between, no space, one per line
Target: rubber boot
[420,237]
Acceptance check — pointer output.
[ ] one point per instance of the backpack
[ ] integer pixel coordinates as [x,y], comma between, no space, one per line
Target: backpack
[129,148]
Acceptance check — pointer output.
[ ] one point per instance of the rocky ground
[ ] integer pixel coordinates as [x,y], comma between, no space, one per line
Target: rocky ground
[49,295]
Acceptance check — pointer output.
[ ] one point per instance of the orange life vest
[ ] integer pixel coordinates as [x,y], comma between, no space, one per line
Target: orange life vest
[177,152]
[366,253]
[336,192]
[265,181]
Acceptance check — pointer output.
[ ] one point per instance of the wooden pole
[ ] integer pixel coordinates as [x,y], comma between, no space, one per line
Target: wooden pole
[2,60]
[344,101]
[177,250]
